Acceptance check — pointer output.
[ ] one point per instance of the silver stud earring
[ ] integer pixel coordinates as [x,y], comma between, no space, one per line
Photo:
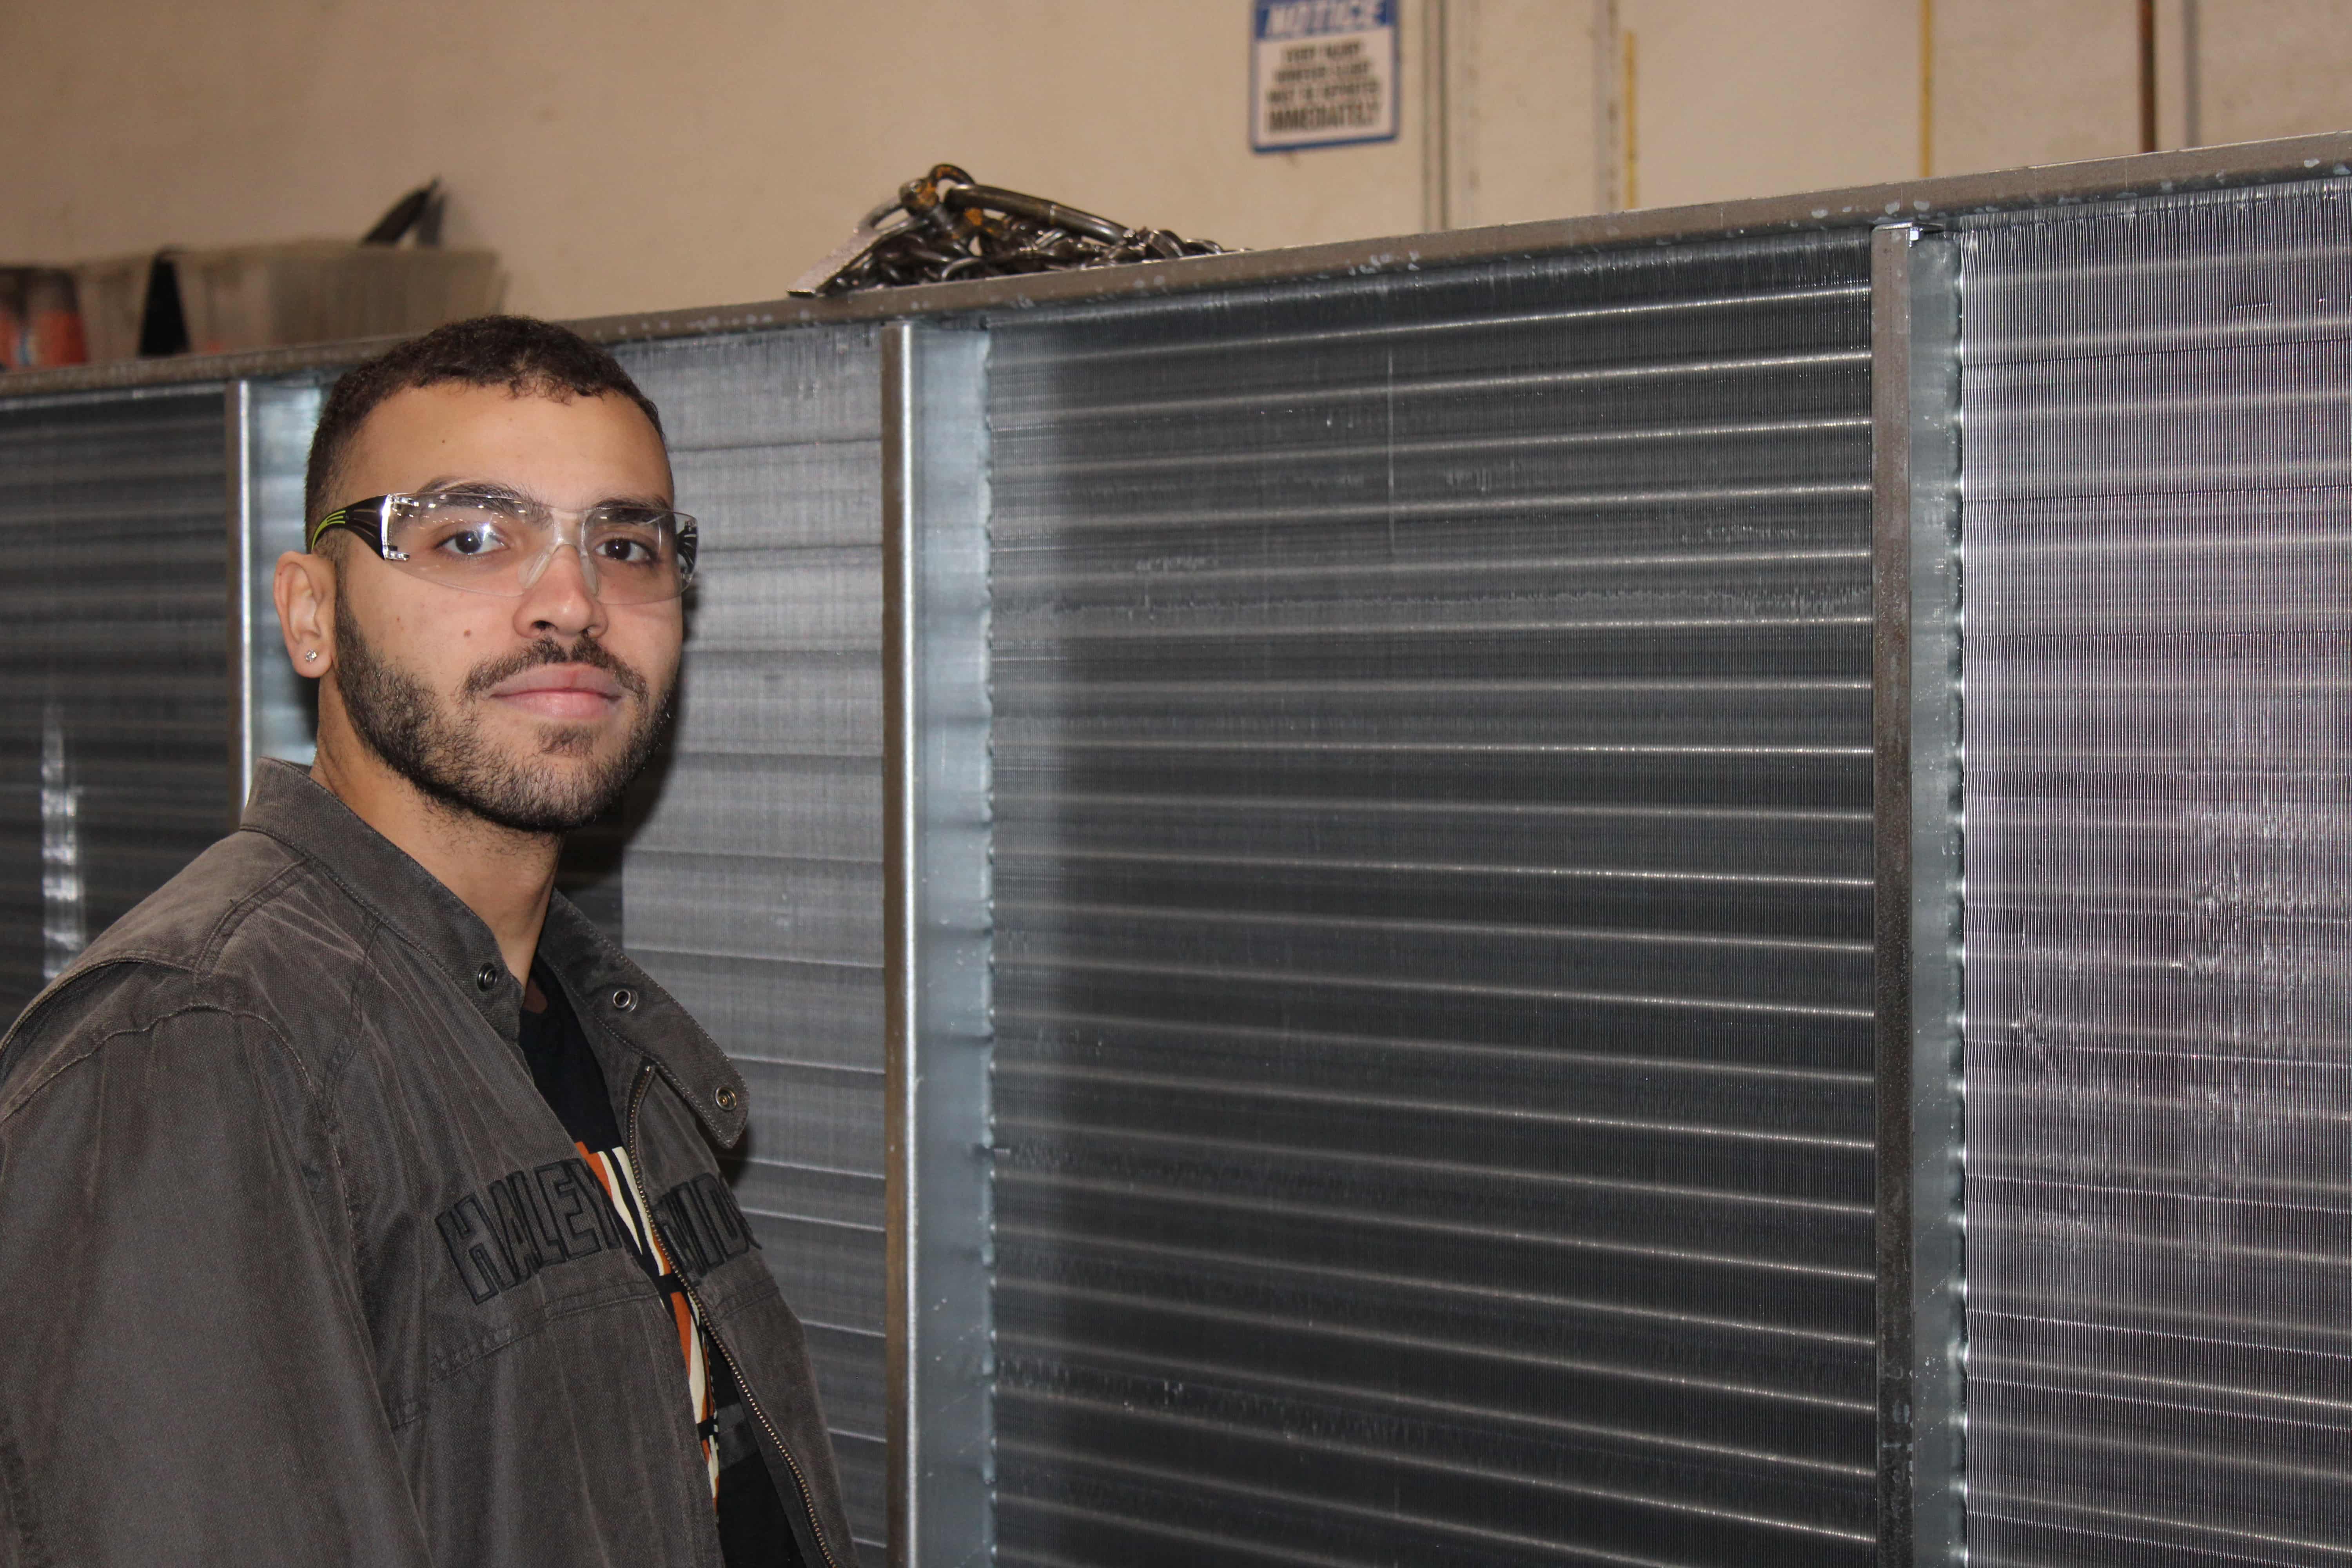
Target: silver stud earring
[311,656]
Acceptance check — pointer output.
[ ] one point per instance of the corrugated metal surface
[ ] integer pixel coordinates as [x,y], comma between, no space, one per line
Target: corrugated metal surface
[1432,871]
[752,889]
[114,678]
[2157,472]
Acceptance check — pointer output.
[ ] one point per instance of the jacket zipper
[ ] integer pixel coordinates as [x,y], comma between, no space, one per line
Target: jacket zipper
[702,1322]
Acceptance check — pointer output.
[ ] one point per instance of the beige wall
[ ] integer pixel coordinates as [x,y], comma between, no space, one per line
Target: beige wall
[626,154]
[1741,100]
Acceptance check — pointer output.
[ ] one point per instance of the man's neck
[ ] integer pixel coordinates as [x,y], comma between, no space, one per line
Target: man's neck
[504,876]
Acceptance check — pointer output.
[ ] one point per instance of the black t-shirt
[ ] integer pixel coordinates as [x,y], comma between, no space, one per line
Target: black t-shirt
[753,1530]
[566,1069]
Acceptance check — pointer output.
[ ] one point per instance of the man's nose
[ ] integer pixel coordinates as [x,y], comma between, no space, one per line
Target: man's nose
[560,599]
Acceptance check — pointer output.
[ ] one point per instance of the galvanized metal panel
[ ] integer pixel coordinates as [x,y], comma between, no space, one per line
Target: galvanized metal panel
[115,697]
[1434,1098]
[2158,1017]
[751,887]
[937,940]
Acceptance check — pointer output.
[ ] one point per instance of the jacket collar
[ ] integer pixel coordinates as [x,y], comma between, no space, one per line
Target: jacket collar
[609,989]
[606,987]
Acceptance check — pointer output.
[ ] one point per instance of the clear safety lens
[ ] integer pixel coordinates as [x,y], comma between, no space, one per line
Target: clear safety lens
[500,544]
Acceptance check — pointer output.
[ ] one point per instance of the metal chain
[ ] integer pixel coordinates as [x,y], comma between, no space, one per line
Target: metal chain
[945,226]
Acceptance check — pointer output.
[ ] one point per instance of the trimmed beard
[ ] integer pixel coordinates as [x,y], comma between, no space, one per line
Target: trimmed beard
[442,754]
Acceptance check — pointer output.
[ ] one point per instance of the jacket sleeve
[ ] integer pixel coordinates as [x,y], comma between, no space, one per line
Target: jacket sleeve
[185,1372]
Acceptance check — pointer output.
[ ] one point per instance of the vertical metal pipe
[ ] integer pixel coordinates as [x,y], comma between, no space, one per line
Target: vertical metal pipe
[2147,139]
[1437,117]
[1915,710]
[899,762]
[2192,77]
[1608,111]
[237,422]
[1927,88]
[1631,95]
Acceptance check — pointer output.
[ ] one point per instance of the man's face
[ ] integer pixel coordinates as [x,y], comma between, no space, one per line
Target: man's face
[532,712]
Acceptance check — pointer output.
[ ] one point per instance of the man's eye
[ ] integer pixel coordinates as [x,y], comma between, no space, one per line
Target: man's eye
[472,540]
[629,548]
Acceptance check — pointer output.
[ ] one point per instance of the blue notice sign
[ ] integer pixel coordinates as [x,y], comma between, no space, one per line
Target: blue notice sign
[1323,73]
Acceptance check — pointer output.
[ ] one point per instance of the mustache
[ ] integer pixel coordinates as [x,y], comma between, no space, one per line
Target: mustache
[585,649]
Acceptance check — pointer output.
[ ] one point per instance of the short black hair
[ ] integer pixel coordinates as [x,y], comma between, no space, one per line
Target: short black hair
[527,356]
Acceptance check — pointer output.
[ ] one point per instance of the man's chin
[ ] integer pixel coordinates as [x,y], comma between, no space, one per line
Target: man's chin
[531,778]
[542,800]
[595,744]
[519,739]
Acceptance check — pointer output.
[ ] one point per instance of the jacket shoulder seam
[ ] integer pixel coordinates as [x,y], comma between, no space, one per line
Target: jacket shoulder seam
[175,960]
[330,1124]
[38,1086]
[354,996]
[234,918]
[50,995]
[382,920]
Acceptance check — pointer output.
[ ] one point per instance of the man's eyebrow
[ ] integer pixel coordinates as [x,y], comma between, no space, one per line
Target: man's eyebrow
[449,484]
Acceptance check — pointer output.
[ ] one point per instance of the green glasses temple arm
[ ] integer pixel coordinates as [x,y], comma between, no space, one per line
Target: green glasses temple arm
[363,518]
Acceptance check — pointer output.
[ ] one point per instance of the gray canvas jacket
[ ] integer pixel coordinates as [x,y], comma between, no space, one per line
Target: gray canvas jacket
[297,1267]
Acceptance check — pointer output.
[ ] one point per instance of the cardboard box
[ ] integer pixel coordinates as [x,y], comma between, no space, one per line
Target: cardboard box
[113,294]
[310,291]
[300,291]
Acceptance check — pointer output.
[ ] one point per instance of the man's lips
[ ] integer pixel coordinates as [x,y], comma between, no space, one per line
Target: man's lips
[572,692]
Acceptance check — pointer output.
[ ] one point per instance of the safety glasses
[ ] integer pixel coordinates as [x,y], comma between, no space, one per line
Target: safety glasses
[486,541]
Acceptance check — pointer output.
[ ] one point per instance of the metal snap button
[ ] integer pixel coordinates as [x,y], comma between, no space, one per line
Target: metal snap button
[486,977]
[726,1098]
[623,999]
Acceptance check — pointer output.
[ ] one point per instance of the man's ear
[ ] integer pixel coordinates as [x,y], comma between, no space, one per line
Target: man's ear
[304,589]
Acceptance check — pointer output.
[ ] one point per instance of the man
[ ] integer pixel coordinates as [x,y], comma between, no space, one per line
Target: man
[357,1197]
